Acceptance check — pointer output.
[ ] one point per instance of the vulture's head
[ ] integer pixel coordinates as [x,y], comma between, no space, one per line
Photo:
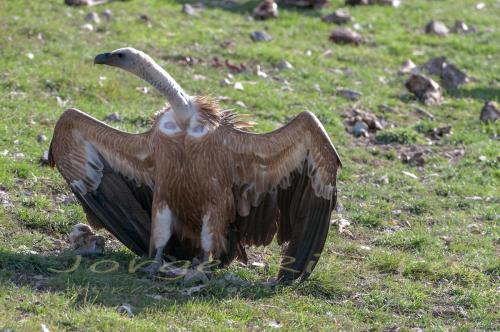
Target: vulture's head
[126,58]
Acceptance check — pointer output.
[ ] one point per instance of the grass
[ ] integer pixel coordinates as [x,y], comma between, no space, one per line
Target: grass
[413,260]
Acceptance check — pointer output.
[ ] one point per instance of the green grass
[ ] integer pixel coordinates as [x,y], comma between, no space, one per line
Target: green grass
[411,262]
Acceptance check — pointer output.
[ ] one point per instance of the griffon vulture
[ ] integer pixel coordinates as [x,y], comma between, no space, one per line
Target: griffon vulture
[196,184]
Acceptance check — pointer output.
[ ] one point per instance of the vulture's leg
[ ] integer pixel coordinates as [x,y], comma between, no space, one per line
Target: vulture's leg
[161,231]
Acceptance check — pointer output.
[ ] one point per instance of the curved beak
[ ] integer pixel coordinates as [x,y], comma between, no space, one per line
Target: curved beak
[102,59]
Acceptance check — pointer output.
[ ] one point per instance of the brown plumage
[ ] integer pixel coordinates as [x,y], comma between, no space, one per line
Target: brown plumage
[196,183]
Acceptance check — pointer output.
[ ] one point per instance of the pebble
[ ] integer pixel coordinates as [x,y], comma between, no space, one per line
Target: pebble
[283,64]
[426,89]
[360,129]
[339,16]
[349,94]
[260,36]
[490,112]
[346,36]
[41,138]
[93,17]
[437,28]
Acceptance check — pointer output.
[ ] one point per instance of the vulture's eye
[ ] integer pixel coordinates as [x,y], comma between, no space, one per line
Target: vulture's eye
[121,55]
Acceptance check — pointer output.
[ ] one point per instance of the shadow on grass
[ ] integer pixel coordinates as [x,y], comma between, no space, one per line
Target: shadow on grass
[479,93]
[244,7]
[93,282]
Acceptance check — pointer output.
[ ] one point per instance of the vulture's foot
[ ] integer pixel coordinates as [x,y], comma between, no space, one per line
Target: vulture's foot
[195,275]
[152,269]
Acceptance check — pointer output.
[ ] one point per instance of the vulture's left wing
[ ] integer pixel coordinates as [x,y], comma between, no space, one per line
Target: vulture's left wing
[285,183]
[110,172]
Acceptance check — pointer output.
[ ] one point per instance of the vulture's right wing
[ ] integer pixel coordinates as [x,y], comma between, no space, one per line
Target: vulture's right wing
[110,172]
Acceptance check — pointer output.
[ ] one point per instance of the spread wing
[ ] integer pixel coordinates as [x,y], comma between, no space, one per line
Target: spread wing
[110,172]
[285,184]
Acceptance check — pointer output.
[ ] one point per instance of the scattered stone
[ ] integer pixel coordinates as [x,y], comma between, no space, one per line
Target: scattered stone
[260,36]
[65,199]
[474,228]
[5,199]
[30,56]
[462,27]
[274,324]
[19,155]
[438,133]
[349,94]
[446,239]
[259,72]
[44,159]
[87,27]
[411,175]
[107,13]
[145,19]
[480,6]
[427,90]
[44,328]
[384,179]
[452,77]
[361,123]
[424,112]
[346,36]
[386,108]
[338,17]
[435,66]
[490,112]
[240,104]
[238,86]
[198,77]
[113,117]
[40,138]
[126,308]
[189,10]
[283,64]
[360,129]
[437,28]
[85,2]
[93,17]
[84,242]
[266,9]
[415,159]
[482,158]
[408,67]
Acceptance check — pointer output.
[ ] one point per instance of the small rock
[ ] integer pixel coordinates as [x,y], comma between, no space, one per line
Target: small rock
[452,77]
[427,90]
[19,155]
[126,308]
[188,9]
[5,199]
[394,3]
[260,36]
[84,242]
[411,175]
[435,66]
[198,77]
[462,27]
[225,82]
[107,13]
[87,27]
[474,228]
[283,64]
[41,138]
[384,179]
[238,86]
[349,94]
[274,324]
[113,117]
[93,17]
[415,159]
[480,6]
[338,17]
[259,72]
[482,158]
[437,28]
[439,132]
[446,239]
[490,112]
[241,104]
[30,56]
[266,9]
[44,159]
[407,67]
[360,129]
[346,36]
